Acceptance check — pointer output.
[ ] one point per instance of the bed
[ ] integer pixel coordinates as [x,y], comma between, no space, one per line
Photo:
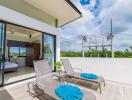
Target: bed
[10,66]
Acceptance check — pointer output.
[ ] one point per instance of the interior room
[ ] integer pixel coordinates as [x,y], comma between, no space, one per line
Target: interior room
[22,47]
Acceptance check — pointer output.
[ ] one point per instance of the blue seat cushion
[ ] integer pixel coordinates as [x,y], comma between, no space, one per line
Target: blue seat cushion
[89,76]
[69,92]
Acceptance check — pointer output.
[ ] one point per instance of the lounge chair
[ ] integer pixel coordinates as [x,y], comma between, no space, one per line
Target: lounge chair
[71,74]
[45,81]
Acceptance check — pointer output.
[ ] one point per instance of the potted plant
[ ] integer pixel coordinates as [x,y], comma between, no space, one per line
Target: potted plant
[58,66]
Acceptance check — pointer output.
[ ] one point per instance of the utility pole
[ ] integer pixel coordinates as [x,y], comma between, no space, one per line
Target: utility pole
[82,48]
[111,38]
[84,39]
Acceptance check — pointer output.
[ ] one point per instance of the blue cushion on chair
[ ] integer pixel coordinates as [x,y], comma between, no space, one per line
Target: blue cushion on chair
[69,92]
[89,76]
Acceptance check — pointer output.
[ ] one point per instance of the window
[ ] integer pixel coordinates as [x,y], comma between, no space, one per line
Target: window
[17,51]
[22,51]
[14,51]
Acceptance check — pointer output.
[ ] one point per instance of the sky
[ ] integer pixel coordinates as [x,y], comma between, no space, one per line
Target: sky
[95,20]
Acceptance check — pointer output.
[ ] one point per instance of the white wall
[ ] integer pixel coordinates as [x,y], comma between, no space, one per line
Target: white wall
[114,69]
[20,19]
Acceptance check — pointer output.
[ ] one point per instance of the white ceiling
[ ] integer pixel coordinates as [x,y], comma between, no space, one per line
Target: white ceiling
[20,30]
[59,9]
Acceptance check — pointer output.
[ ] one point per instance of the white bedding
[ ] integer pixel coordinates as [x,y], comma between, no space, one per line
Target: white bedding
[10,65]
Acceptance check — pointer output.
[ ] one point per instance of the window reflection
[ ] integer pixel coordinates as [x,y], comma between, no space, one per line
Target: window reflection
[22,51]
[14,51]
[49,49]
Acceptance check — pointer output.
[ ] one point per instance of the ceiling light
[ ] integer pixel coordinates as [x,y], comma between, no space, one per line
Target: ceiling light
[12,31]
[30,36]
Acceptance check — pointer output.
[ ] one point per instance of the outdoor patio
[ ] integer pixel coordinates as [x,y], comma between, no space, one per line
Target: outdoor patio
[115,71]
[112,91]
[95,36]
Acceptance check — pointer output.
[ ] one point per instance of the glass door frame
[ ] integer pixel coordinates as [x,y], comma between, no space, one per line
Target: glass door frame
[3,56]
[54,36]
[6,22]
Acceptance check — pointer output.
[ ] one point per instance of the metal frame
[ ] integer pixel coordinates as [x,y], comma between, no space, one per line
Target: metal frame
[33,89]
[4,51]
[3,55]
[1,64]
[99,84]
[73,76]
[54,36]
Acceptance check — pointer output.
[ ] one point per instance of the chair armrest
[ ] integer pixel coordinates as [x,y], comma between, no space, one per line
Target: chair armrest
[78,69]
[61,75]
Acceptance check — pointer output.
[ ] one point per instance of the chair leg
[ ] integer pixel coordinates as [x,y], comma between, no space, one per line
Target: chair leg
[100,88]
[104,83]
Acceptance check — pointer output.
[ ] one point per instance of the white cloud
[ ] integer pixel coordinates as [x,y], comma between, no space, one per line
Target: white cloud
[119,10]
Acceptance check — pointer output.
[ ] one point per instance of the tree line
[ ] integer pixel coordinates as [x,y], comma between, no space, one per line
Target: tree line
[127,53]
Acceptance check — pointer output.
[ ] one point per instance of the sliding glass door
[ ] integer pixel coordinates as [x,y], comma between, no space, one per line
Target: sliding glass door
[2,39]
[49,49]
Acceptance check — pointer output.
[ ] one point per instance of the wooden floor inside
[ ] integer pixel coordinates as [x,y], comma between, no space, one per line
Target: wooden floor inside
[112,91]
